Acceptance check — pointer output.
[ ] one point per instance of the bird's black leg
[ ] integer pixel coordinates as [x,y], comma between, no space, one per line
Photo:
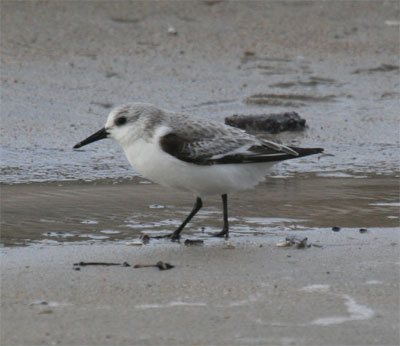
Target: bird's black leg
[225,229]
[176,234]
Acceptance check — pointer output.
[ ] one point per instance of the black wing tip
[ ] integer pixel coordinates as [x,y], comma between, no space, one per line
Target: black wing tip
[77,145]
[318,150]
[307,151]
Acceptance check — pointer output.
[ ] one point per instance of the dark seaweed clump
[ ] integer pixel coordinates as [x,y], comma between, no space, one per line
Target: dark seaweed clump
[268,123]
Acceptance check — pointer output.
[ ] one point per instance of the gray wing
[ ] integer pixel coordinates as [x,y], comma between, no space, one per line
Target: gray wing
[207,143]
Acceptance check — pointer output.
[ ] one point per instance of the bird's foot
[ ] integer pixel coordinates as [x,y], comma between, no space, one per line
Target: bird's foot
[223,234]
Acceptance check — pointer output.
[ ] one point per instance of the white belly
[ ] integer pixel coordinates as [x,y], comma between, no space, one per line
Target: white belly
[153,163]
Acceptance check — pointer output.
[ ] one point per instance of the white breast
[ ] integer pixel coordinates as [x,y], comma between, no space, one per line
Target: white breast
[152,162]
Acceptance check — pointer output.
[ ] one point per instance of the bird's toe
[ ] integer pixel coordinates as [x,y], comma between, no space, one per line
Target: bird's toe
[223,234]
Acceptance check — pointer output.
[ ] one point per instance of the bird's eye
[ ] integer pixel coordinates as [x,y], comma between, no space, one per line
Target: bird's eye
[120,121]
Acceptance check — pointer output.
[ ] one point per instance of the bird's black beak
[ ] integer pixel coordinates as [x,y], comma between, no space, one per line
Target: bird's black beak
[93,138]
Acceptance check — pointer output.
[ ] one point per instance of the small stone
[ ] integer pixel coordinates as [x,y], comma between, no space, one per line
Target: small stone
[156,206]
[39,302]
[284,243]
[229,246]
[172,31]
[363,230]
[134,243]
[249,53]
[336,228]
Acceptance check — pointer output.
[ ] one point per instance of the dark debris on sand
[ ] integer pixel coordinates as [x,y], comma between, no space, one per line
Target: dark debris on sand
[268,123]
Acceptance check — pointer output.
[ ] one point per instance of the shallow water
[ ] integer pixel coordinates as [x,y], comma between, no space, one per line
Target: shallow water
[54,213]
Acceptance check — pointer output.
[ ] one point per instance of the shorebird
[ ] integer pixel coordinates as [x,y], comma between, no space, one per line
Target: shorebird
[203,157]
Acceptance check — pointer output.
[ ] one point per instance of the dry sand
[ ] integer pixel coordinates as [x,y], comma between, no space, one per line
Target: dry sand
[345,293]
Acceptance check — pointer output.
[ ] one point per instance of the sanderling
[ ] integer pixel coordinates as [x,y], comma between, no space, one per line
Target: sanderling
[192,154]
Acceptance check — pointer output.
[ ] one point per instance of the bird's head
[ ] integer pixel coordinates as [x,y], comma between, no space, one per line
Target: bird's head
[124,123]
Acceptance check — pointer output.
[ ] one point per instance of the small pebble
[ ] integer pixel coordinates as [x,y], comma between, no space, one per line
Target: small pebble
[39,302]
[229,245]
[363,230]
[156,206]
[249,53]
[284,243]
[172,31]
[134,243]
[336,228]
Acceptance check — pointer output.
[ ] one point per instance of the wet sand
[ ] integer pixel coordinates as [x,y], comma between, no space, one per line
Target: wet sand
[343,289]
[66,64]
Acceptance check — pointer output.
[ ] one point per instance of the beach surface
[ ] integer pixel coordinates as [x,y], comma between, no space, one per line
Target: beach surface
[253,294]
[65,65]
